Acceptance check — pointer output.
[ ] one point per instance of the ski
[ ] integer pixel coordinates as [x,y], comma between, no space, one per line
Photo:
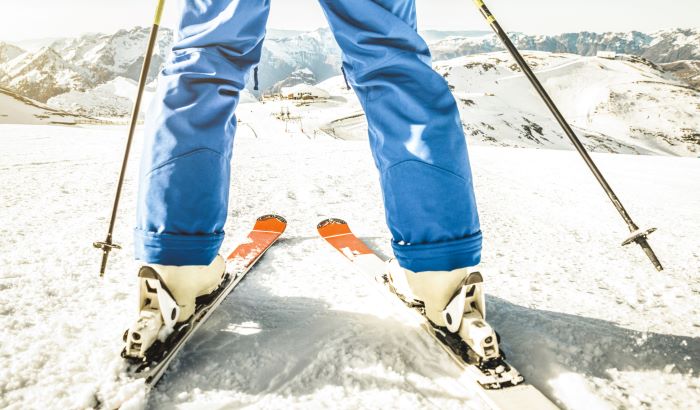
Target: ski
[265,233]
[498,383]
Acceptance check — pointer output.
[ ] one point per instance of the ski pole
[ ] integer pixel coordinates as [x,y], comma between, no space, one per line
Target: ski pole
[108,243]
[637,235]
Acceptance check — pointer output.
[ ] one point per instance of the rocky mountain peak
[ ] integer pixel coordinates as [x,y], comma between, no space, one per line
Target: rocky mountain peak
[9,52]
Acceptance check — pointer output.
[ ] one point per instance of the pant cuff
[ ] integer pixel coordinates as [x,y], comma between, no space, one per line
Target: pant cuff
[177,250]
[441,256]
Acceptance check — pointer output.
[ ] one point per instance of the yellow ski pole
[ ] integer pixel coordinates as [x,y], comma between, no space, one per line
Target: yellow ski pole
[108,243]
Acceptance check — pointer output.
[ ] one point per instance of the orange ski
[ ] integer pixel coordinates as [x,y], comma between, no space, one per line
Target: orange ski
[266,231]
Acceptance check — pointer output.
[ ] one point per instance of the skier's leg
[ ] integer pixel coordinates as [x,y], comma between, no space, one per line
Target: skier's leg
[185,170]
[415,133]
[184,187]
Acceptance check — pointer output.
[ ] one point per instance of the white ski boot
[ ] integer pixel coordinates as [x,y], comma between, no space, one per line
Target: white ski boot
[453,300]
[167,296]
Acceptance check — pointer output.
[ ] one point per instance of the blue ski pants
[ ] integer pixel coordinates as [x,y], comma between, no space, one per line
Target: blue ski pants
[415,132]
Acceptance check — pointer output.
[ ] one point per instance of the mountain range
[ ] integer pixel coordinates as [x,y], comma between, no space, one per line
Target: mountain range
[83,63]
[642,101]
[660,47]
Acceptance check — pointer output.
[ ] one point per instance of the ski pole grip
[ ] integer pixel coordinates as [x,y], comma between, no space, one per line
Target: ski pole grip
[159,12]
[485,11]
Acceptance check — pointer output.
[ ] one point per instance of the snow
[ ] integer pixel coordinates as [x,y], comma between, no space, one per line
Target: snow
[585,320]
[621,106]
[19,110]
[305,89]
[112,99]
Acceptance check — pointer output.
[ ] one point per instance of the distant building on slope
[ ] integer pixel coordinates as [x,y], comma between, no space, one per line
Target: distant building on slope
[303,92]
[610,55]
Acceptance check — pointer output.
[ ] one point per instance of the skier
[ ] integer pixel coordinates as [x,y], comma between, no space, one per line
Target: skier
[415,134]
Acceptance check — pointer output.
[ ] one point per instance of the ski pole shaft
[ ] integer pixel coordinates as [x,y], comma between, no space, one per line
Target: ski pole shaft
[637,236]
[108,244]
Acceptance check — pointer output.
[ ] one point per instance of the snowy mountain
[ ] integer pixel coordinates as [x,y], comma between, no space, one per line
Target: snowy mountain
[99,58]
[35,44]
[687,70]
[432,36]
[8,52]
[116,55]
[82,63]
[315,51]
[674,45]
[660,47]
[16,109]
[301,76]
[44,74]
[114,98]
[273,33]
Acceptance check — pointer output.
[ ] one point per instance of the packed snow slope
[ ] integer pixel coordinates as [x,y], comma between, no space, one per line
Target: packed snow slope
[112,99]
[15,109]
[585,320]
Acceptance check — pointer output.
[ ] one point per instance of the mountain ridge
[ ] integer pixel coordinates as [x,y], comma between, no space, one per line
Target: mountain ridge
[94,59]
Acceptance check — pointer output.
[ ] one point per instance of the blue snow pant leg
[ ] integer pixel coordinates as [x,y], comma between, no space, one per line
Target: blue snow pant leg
[185,170]
[415,134]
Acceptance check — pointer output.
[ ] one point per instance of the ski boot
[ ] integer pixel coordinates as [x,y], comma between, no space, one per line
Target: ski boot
[167,297]
[452,300]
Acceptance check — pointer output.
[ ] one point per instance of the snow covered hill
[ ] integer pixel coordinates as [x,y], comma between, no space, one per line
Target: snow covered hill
[8,52]
[587,321]
[686,70]
[15,109]
[112,99]
[621,106]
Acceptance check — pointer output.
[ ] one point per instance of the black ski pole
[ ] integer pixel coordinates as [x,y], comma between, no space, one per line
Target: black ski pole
[108,243]
[637,236]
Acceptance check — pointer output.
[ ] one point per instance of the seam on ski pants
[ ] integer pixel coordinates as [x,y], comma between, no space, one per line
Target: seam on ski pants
[437,167]
[420,193]
[182,156]
[393,55]
[182,52]
[184,225]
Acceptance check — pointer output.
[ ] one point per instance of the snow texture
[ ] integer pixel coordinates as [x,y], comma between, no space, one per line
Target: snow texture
[15,109]
[112,99]
[588,322]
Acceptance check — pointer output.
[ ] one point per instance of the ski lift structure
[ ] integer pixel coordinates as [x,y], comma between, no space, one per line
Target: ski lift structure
[284,114]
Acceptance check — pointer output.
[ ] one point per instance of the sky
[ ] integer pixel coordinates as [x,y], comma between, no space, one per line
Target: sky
[30,19]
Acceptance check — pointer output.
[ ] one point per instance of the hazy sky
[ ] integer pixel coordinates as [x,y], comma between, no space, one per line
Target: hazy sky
[24,19]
